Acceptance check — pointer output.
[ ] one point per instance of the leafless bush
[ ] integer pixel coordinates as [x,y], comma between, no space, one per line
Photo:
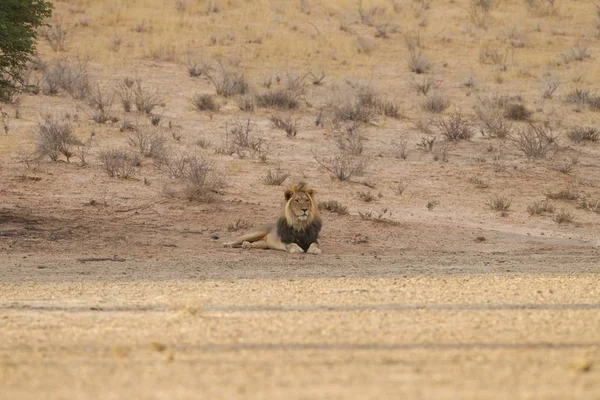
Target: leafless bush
[427,143]
[367,197]
[241,140]
[576,53]
[203,143]
[281,99]
[333,206]
[494,56]
[540,207]
[417,63]
[238,225]
[517,112]
[584,134]
[478,183]
[101,104]
[342,166]
[246,103]
[317,80]
[275,178]
[119,163]
[589,204]
[70,77]
[351,142]
[578,96]
[148,141]
[287,124]
[206,102]
[549,86]
[201,177]
[566,194]
[228,83]
[499,203]
[492,122]
[455,127]
[425,84]
[145,100]
[125,92]
[400,149]
[535,140]
[368,16]
[435,103]
[380,217]
[563,217]
[55,137]
[195,67]
[56,36]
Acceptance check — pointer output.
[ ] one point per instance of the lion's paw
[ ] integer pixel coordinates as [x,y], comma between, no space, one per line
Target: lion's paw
[313,250]
[246,245]
[294,248]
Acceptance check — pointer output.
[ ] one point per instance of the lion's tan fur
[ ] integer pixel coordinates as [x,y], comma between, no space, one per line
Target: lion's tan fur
[298,202]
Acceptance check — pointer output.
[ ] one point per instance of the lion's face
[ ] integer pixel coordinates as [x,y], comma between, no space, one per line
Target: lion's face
[299,209]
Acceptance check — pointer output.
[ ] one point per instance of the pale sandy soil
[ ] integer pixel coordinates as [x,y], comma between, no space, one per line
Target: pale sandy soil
[446,302]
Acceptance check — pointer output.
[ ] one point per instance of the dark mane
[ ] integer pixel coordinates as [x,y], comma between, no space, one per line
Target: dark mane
[303,238]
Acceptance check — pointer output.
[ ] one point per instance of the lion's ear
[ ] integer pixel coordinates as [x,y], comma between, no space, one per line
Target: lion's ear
[288,194]
[311,192]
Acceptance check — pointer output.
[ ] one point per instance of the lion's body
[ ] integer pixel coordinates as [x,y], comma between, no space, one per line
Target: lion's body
[296,230]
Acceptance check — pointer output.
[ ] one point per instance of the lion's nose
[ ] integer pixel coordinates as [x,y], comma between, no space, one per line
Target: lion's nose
[305,210]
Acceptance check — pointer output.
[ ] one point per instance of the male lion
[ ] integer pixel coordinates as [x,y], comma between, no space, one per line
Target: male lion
[296,230]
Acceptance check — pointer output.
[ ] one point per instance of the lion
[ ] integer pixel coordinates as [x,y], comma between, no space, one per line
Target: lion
[296,230]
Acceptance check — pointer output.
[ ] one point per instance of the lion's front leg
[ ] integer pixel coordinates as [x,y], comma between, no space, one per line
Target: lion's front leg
[313,249]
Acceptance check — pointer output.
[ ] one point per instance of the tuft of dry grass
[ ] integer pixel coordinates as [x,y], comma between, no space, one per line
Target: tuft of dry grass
[282,99]
[206,102]
[499,203]
[584,134]
[563,217]
[455,127]
[342,166]
[238,224]
[379,217]
[333,206]
[119,163]
[535,140]
[227,82]
[287,124]
[436,103]
[566,194]
[540,207]
[54,138]
[275,177]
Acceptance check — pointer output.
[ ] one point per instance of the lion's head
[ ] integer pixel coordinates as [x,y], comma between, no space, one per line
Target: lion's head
[300,210]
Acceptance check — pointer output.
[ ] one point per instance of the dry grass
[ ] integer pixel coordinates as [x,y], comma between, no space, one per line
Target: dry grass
[333,206]
[119,163]
[499,203]
[540,207]
[275,177]
[342,166]
[535,140]
[55,137]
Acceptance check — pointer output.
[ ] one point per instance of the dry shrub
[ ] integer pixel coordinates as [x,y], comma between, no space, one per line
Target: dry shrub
[589,204]
[228,83]
[55,137]
[549,86]
[101,104]
[400,149]
[275,178]
[342,166]
[435,103]
[365,196]
[196,68]
[246,103]
[333,206]
[202,180]
[425,84]
[238,224]
[492,121]
[351,142]
[240,139]
[499,203]
[380,217]
[517,112]
[282,99]
[124,90]
[576,53]
[145,99]
[287,124]
[206,102]
[148,141]
[417,63]
[534,140]
[56,36]
[455,127]
[478,183]
[71,77]
[540,207]
[583,134]
[563,217]
[119,163]
[563,194]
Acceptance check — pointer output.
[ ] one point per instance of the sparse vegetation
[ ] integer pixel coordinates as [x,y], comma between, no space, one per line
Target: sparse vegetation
[417,63]
[287,124]
[119,163]
[367,197]
[145,100]
[517,112]
[342,166]
[241,140]
[478,183]
[206,102]
[228,83]
[584,134]
[563,217]
[499,203]
[63,75]
[436,103]
[101,104]
[380,217]
[589,204]
[535,140]
[275,177]
[333,206]
[455,127]
[424,84]
[148,141]
[282,99]
[55,138]
[540,207]
[238,224]
[566,194]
